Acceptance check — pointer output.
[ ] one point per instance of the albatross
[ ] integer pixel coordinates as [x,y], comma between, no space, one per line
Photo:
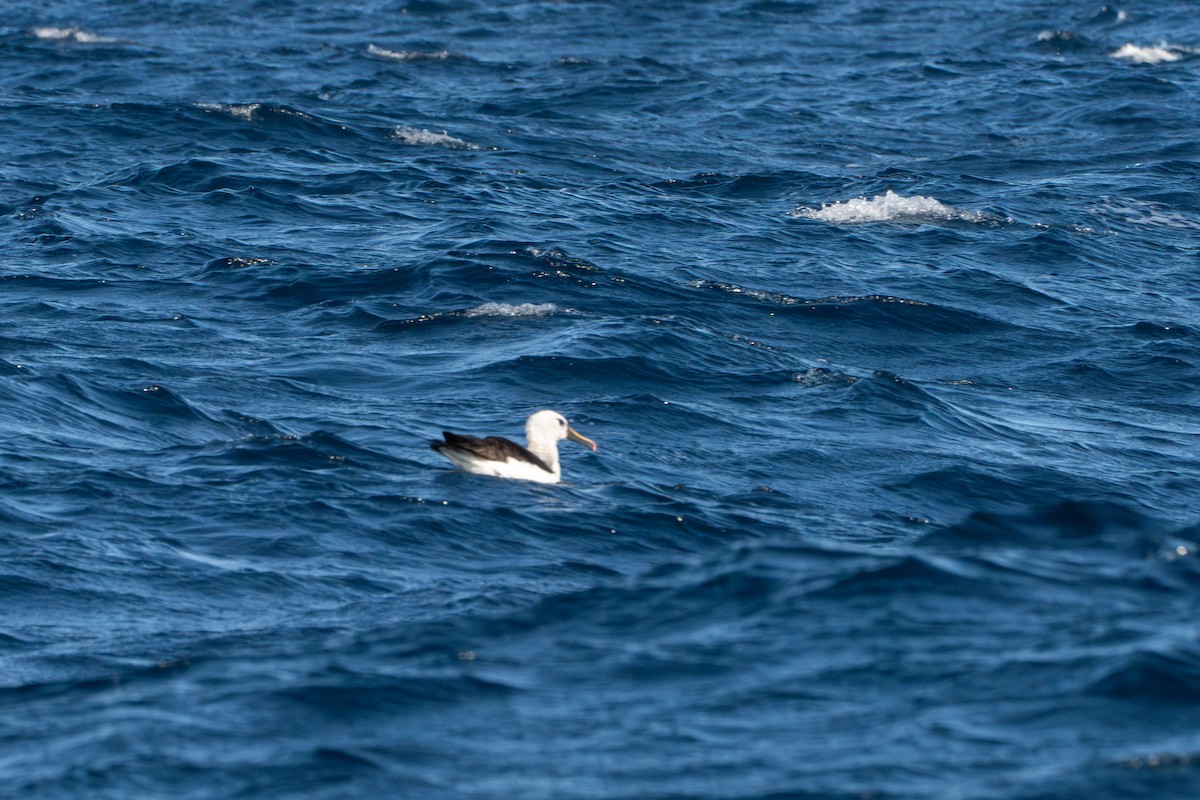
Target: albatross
[504,458]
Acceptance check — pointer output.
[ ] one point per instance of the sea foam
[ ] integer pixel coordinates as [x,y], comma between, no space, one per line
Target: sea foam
[244,111]
[420,136]
[411,55]
[889,207]
[1156,54]
[72,34]
[511,310]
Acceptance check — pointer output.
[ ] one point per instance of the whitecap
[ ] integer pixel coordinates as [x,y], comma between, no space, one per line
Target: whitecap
[1156,54]
[420,136]
[72,34]
[411,55]
[888,207]
[511,310]
[245,111]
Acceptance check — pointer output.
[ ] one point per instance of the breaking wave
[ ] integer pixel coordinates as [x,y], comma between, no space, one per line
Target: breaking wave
[511,310]
[1154,54]
[51,33]
[412,55]
[421,136]
[890,207]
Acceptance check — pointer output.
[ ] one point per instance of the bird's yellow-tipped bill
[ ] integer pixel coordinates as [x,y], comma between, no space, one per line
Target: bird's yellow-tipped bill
[576,436]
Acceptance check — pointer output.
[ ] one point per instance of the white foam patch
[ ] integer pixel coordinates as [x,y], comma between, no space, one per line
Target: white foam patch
[420,136]
[411,55]
[246,111]
[73,35]
[888,207]
[1156,54]
[510,310]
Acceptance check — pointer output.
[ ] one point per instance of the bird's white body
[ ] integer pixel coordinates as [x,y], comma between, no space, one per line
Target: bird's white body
[499,457]
[508,468]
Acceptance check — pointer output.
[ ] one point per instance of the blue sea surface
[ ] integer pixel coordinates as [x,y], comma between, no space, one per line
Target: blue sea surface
[884,314]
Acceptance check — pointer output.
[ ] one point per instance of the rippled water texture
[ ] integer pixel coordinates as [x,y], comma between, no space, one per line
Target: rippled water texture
[884,316]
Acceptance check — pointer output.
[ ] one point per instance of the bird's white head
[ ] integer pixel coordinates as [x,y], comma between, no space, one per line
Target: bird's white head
[551,426]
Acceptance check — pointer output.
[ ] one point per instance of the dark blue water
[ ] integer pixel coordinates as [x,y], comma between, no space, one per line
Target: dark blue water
[885,315]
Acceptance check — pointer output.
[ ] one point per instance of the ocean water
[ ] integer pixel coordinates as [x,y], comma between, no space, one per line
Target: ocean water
[884,314]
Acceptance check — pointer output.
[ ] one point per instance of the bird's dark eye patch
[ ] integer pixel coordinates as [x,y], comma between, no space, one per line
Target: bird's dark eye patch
[562,422]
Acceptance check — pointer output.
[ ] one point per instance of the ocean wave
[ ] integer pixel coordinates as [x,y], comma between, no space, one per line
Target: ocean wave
[1164,760]
[413,55]
[485,310]
[79,35]
[761,295]
[238,262]
[1153,54]
[1137,212]
[1110,14]
[896,400]
[1062,41]
[890,207]
[904,574]
[251,112]
[1058,36]
[511,310]
[820,376]
[779,298]
[261,445]
[1066,533]
[385,696]
[1170,673]
[421,136]
[888,310]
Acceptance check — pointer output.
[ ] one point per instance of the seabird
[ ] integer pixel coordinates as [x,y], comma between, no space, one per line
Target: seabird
[504,458]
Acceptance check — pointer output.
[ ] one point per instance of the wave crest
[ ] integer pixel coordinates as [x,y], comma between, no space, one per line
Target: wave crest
[511,310]
[889,207]
[1154,54]
[412,55]
[252,112]
[421,136]
[72,34]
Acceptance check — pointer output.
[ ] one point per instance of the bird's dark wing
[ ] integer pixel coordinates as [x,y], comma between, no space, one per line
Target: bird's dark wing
[492,448]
